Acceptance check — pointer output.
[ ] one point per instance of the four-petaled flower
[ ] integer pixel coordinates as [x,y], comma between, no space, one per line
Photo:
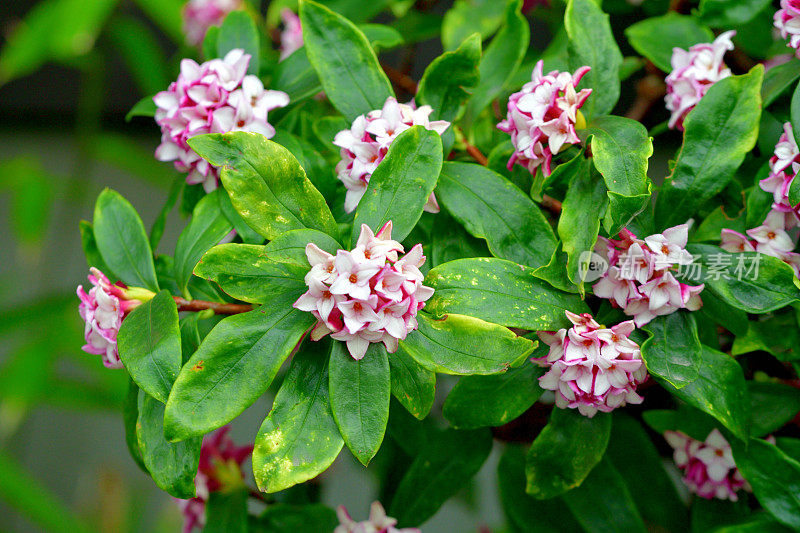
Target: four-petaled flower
[199,15]
[787,20]
[378,522]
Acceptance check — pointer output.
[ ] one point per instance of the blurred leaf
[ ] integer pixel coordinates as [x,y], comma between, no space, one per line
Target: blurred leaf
[167,14]
[778,79]
[284,518]
[226,511]
[238,30]
[139,49]
[673,30]
[471,16]
[157,229]
[130,417]
[53,30]
[778,335]
[726,13]
[381,37]
[125,154]
[32,191]
[771,406]
[295,76]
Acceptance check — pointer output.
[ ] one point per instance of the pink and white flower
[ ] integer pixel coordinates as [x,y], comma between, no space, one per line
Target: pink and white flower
[199,15]
[217,96]
[784,166]
[378,522]
[292,34]
[640,277]
[366,294]
[592,368]
[220,467]
[787,20]
[542,117]
[103,309]
[365,144]
[693,73]
[770,238]
[708,467]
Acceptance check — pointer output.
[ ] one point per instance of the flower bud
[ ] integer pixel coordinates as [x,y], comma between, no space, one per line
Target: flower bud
[378,522]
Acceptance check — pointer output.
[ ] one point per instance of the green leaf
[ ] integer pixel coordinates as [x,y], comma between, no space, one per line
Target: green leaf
[136,43]
[291,246]
[479,401]
[492,208]
[173,465]
[149,344]
[233,366]
[579,223]
[772,405]
[285,518]
[779,336]
[249,273]
[499,291]
[592,43]
[441,469]
[719,390]
[206,228]
[555,272]
[468,17]
[778,79]
[794,112]
[296,77]
[565,452]
[360,394]
[620,149]
[238,30]
[447,345]
[130,415]
[122,241]
[145,107]
[719,131]
[775,478]
[638,462]
[673,30]
[157,229]
[226,511]
[413,385]
[727,13]
[603,502]
[93,257]
[166,14]
[299,439]
[381,37]
[344,60]
[735,280]
[266,184]
[501,59]
[673,350]
[446,82]
[402,183]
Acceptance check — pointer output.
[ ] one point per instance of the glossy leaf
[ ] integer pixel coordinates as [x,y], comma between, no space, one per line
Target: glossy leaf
[719,131]
[673,30]
[673,350]
[479,401]
[779,336]
[243,231]
[794,113]
[344,60]
[122,241]
[413,385]
[299,439]
[446,82]
[233,366]
[149,345]
[565,452]
[130,416]
[592,43]
[402,183]
[360,393]
[238,30]
[266,184]
[778,79]
[249,273]
[90,250]
[499,291]
[771,406]
[206,228]
[296,77]
[463,345]
[145,107]
[441,469]
[493,209]
[726,13]
[291,246]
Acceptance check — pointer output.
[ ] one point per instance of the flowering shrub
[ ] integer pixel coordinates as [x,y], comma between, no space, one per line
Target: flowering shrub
[624,340]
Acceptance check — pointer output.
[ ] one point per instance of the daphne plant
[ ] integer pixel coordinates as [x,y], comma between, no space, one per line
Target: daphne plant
[348,255]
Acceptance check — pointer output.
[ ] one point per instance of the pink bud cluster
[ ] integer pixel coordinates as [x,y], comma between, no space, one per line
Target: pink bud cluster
[639,279]
[367,294]
[542,117]
[592,368]
[365,144]
[199,15]
[787,20]
[292,34]
[693,73]
[214,97]
[708,467]
[220,466]
[378,522]
[102,309]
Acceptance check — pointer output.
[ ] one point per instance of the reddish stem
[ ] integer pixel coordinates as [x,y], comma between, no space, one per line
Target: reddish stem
[399,79]
[217,307]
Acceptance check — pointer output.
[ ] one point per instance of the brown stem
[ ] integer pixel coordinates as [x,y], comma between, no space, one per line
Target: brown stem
[217,307]
[399,79]
[649,90]
[677,5]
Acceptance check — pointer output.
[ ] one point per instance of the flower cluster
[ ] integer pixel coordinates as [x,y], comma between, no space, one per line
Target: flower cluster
[199,15]
[784,166]
[542,117]
[214,97]
[102,309]
[365,145]
[220,467]
[639,279]
[367,294]
[292,34]
[592,368]
[378,522]
[693,73]
[708,467]
[787,20]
